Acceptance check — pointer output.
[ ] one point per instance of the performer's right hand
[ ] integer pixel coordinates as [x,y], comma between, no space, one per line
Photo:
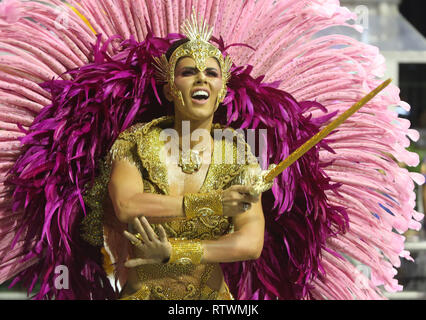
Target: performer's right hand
[238,199]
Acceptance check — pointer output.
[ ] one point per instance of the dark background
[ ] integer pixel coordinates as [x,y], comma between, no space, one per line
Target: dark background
[414,11]
[412,77]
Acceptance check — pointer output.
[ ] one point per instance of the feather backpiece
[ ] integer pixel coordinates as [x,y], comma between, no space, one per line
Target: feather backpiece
[347,202]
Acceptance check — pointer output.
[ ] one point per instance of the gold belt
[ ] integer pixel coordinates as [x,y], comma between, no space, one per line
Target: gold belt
[207,293]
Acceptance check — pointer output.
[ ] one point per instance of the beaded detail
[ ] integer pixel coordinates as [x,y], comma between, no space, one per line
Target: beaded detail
[186,251]
[203,204]
[140,145]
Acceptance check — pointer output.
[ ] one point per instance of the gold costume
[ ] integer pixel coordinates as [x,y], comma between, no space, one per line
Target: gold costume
[141,146]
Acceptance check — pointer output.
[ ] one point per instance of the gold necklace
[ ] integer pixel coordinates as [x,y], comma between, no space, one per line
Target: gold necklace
[191,161]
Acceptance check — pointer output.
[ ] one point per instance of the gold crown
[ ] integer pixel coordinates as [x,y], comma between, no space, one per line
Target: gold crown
[196,31]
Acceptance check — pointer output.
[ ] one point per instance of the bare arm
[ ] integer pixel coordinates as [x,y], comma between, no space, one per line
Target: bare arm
[129,200]
[245,243]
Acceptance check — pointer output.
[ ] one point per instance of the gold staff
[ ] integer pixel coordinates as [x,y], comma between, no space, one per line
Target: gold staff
[273,173]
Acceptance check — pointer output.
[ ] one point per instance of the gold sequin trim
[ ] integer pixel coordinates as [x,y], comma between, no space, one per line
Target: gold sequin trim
[92,224]
[140,145]
[186,251]
[203,204]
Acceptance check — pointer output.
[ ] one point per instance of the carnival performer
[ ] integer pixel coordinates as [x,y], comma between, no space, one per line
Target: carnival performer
[192,204]
[108,116]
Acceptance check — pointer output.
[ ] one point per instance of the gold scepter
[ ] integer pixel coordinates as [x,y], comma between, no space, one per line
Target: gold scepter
[268,176]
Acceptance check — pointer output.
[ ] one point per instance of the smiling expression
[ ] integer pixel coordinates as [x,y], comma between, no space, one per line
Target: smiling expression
[200,89]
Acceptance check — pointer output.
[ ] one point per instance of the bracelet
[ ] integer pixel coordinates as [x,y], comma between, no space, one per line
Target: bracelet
[203,204]
[186,251]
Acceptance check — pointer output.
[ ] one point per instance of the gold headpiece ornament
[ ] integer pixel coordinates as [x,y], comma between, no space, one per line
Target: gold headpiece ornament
[200,49]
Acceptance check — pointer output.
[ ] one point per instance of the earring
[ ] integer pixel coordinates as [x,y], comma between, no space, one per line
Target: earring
[176,94]
[221,96]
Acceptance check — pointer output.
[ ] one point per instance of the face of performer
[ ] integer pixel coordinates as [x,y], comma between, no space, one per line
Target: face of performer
[200,89]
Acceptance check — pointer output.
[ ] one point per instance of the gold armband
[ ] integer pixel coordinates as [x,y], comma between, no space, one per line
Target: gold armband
[203,204]
[186,251]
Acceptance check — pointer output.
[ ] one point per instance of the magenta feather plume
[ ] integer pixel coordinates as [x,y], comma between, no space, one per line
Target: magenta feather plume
[62,150]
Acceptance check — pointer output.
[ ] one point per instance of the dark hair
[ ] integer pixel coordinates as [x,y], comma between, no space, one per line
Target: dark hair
[174,46]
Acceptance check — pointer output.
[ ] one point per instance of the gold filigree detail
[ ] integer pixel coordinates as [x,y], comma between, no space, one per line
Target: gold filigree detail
[149,148]
[209,223]
[227,171]
[203,204]
[158,292]
[191,292]
[143,293]
[186,251]
[142,147]
[92,224]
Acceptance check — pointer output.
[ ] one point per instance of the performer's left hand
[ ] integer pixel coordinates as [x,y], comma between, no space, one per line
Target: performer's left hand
[151,249]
